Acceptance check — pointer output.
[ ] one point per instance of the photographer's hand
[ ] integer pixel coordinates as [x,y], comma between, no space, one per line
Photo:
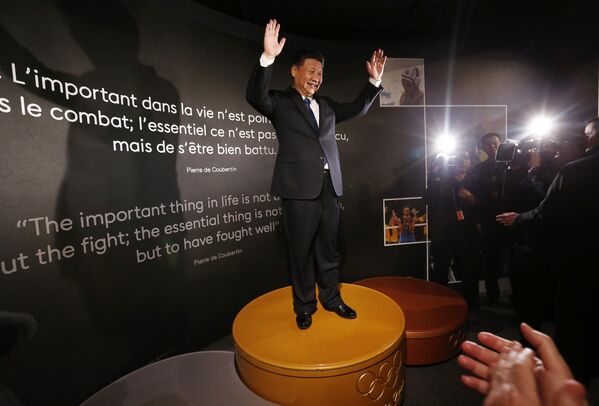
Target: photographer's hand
[466,195]
[507,219]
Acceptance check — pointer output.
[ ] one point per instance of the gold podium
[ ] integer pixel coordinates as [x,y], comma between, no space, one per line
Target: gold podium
[334,362]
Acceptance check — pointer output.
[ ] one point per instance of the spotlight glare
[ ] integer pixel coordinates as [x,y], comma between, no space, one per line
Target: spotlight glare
[445,143]
[540,126]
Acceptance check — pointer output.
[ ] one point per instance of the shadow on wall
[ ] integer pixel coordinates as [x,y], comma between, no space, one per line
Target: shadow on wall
[139,307]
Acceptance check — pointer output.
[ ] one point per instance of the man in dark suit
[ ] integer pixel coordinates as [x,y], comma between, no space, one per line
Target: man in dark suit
[307,174]
[452,224]
[569,212]
[487,177]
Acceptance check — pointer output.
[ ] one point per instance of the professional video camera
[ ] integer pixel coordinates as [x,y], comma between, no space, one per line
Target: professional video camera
[519,152]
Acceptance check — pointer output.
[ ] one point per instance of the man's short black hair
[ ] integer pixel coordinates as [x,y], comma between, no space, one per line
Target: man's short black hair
[486,139]
[302,54]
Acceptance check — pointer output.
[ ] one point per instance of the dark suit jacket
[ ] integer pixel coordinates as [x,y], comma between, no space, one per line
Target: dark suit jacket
[571,212]
[443,202]
[298,172]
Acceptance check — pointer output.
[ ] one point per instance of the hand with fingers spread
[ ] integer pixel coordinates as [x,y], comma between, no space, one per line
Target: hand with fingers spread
[478,360]
[272,45]
[511,375]
[376,65]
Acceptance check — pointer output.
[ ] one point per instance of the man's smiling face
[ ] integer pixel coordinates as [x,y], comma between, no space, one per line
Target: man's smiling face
[307,78]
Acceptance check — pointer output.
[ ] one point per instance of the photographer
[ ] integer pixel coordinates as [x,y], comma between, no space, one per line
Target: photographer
[572,201]
[532,167]
[487,186]
[570,147]
[452,226]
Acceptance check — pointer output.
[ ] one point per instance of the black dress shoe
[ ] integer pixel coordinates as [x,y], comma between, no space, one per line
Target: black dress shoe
[303,320]
[344,311]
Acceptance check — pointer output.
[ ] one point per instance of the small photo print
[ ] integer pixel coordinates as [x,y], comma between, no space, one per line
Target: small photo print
[404,221]
[403,83]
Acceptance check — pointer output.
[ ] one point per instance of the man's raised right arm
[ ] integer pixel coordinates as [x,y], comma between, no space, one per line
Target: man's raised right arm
[257,88]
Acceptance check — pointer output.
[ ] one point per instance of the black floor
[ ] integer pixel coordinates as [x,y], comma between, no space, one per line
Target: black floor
[439,384]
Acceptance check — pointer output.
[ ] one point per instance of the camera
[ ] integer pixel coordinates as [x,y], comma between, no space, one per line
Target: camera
[446,160]
[506,152]
[442,162]
[514,152]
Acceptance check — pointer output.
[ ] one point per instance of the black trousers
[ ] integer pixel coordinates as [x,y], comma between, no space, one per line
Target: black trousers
[465,259]
[311,227]
[533,285]
[493,259]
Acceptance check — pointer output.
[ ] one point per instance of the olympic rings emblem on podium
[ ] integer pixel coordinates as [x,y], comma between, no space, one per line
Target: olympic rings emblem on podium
[457,338]
[387,376]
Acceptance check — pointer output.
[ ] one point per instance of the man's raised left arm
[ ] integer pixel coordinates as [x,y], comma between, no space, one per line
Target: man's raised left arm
[359,107]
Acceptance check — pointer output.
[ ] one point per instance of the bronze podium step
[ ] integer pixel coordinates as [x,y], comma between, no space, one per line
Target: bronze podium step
[435,316]
[334,362]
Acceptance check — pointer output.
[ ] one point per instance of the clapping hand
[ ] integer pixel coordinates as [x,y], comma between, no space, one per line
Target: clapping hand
[509,374]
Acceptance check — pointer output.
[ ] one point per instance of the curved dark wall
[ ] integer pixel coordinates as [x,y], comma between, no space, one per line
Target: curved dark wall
[135,299]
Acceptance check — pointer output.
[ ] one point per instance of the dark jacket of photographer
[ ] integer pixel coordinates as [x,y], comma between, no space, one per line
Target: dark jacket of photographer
[451,218]
[486,185]
[523,192]
[570,211]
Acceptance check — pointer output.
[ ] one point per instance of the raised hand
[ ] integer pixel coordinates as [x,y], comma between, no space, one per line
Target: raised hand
[272,45]
[376,65]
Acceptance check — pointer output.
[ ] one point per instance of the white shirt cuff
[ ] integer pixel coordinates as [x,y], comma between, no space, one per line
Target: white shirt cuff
[266,61]
[376,83]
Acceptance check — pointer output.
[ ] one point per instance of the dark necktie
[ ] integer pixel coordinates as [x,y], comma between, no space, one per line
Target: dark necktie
[314,122]
[310,112]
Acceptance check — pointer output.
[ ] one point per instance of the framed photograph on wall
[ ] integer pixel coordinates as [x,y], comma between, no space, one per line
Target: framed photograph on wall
[404,221]
[403,83]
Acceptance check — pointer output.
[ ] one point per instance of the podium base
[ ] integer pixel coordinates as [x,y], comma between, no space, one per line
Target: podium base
[334,362]
[435,316]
